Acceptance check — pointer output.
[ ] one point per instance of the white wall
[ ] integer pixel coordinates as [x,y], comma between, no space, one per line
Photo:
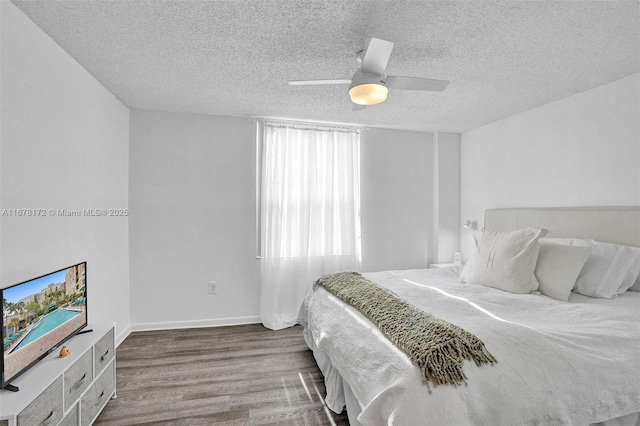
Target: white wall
[397,190]
[579,151]
[447,198]
[192,199]
[63,145]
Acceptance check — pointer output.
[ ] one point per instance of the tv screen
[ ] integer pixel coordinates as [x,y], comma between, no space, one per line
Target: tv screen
[40,314]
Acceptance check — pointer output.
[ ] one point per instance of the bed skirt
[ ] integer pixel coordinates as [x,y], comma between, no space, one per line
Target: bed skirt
[339,394]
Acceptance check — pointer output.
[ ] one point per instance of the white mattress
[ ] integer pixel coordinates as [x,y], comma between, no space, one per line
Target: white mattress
[558,363]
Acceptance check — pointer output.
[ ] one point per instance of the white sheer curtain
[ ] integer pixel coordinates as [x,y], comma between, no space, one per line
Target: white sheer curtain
[309,213]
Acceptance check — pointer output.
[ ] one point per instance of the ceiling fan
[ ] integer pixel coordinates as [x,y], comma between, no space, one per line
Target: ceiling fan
[369,84]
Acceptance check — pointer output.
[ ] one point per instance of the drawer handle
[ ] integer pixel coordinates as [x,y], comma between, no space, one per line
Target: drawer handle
[98,401]
[104,356]
[78,383]
[49,417]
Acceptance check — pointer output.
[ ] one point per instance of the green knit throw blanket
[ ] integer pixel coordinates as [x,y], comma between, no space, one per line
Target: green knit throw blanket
[436,347]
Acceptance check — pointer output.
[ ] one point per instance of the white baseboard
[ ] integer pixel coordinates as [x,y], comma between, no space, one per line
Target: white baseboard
[217,322]
[123,335]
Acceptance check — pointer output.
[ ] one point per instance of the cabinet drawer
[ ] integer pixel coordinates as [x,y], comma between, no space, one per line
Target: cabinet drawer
[104,351]
[77,378]
[98,395]
[70,419]
[46,409]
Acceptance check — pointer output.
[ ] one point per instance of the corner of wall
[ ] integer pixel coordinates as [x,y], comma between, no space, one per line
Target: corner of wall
[446,196]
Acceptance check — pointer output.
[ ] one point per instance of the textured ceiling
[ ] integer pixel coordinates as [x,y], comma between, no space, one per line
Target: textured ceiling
[235,57]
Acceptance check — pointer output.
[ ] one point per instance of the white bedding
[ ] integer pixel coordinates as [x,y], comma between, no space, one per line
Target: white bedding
[571,363]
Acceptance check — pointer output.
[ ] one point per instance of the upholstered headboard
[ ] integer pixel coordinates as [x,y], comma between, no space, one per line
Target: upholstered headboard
[618,225]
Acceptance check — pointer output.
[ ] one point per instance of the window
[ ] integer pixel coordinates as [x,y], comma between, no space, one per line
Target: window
[310,192]
[309,209]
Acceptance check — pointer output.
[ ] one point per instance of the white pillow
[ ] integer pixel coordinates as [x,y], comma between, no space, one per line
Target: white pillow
[504,260]
[634,271]
[636,285]
[558,268]
[610,269]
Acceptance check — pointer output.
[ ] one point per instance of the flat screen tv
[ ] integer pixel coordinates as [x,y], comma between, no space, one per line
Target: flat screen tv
[38,316]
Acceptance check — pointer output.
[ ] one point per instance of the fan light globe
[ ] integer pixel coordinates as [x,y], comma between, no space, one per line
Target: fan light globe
[368,93]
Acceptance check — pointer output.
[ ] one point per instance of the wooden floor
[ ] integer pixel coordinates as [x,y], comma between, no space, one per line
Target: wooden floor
[240,375]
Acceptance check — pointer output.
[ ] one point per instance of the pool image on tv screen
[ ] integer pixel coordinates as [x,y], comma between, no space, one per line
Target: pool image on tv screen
[39,314]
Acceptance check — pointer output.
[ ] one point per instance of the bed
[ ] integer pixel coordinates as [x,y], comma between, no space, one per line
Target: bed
[575,362]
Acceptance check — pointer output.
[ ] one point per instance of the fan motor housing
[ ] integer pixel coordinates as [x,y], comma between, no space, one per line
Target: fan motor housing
[361,77]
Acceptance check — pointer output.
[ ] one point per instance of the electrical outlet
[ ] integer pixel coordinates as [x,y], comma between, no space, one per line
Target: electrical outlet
[213,288]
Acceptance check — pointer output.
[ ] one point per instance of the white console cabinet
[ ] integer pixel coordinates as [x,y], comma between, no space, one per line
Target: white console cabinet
[70,391]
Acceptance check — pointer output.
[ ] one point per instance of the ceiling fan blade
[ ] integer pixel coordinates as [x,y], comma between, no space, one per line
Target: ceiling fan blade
[358,107]
[314,82]
[416,83]
[377,56]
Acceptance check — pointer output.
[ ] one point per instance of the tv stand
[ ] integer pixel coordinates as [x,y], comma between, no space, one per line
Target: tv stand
[70,391]
[86,330]
[11,388]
